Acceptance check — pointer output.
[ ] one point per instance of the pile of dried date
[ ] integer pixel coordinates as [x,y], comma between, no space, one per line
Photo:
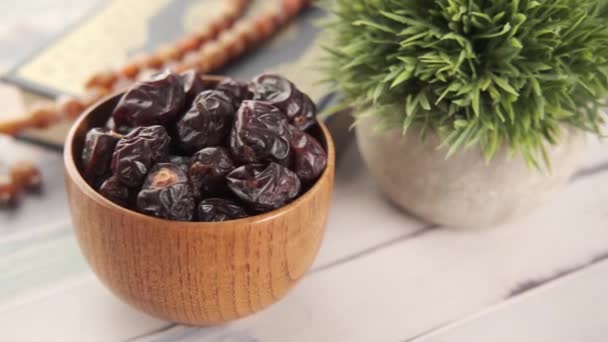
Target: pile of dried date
[179,151]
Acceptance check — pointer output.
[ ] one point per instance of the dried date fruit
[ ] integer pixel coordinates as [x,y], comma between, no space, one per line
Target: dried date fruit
[208,121]
[96,156]
[305,117]
[264,188]
[274,89]
[180,161]
[235,90]
[157,101]
[219,210]
[208,170]
[166,194]
[283,94]
[309,157]
[193,85]
[260,133]
[178,148]
[137,151]
[115,191]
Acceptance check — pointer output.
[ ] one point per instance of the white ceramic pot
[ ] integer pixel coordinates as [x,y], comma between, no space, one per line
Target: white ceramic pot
[463,191]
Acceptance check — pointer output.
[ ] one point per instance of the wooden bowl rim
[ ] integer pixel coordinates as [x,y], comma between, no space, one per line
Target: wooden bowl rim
[76,177]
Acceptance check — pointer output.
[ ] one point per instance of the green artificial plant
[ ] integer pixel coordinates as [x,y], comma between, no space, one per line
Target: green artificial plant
[486,72]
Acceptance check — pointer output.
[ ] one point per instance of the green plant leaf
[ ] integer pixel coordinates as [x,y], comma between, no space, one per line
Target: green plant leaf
[405,75]
[504,84]
[504,73]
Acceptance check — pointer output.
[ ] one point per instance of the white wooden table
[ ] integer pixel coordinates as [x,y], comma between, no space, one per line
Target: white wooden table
[381,275]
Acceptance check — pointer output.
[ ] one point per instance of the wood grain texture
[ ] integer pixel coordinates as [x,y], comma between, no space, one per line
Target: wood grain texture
[572,309]
[195,273]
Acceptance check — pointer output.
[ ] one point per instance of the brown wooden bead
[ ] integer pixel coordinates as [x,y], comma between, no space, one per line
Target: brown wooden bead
[189,61]
[232,44]
[225,20]
[277,17]
[219,56]
[188,44]
[224,43]
[247,33]
[130,70]
[214,29]
[292,7]
[265,26]
[43,117]
[238,47]
[153,62]
[232,12]
[12,127]
[168,53]
[208,59]
[69,107]
[240,3]
[102,80]
[203,35]
[25,175]
[191,58]
[8,191]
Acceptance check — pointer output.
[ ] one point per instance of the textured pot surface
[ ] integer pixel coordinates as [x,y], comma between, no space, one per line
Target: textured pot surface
[464,190]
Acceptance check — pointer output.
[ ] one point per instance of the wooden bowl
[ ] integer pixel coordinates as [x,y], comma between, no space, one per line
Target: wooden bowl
[195,273]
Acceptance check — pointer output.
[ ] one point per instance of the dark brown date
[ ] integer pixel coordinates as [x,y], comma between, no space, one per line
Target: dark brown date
[193,85]
[264,188]
[309,157]
[172,149]
[96,156]
[219,210]
[208,170]
[137,151]
[115,191]
[180,161]
[208,121]
[157,101]
[260,133]
[166,194]
[283,94]
[235,90]
[304,117]
[274,89]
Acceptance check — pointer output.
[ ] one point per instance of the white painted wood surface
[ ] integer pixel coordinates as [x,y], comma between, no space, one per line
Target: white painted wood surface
[380,276]
[570,310]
